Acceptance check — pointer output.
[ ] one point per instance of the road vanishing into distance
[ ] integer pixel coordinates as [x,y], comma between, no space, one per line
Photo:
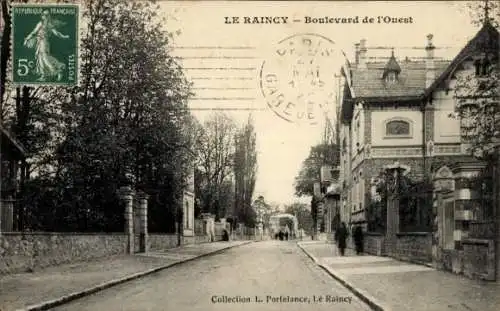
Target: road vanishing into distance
[270,275]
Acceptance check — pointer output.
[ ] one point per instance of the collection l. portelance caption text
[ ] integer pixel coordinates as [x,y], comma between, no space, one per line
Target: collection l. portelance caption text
[268,299]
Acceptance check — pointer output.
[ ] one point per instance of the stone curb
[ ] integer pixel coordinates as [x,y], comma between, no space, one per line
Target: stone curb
[73,296]
[363,296]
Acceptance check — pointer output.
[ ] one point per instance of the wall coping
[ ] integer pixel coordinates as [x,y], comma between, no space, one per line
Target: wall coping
[402,234]
[61,233]
[478,241]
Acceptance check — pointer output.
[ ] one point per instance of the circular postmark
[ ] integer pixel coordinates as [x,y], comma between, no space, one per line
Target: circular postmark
[298,81]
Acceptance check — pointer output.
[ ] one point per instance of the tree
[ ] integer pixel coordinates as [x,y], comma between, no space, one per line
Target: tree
[216,157]
[260,212]
[484,11]
[476,90]
[245,170]
[322,154]
[127,118]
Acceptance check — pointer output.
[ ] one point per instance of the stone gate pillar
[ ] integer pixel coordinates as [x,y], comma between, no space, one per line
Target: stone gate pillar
[143,222]
[127,195]
[496,209]
[467,204]
[393,178]
[443,184]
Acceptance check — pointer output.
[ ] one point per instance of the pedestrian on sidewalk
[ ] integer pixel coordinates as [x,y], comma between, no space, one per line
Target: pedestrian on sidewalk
[358,239]
[341,237]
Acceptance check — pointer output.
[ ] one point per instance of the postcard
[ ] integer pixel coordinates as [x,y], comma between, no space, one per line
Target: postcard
[249,155]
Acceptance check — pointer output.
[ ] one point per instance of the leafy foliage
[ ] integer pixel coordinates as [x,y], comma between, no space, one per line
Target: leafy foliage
[376,213]
[128,118]
[245,171]
[215,150]
[476,88]
[322,154]
[484,11]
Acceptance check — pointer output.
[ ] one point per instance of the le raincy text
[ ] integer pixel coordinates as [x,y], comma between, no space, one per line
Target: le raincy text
[318,20]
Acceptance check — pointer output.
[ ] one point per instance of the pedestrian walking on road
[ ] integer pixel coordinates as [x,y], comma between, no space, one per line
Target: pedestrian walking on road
[358,239]
[341,237]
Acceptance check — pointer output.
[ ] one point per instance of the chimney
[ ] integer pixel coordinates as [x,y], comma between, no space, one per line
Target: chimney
[430,69]
[356,53]
[362,54]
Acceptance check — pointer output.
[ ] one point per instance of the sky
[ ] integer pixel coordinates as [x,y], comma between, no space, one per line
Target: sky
[224,62]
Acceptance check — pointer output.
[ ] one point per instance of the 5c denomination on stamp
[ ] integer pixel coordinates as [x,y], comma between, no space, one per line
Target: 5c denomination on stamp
[298,81]
[45,44]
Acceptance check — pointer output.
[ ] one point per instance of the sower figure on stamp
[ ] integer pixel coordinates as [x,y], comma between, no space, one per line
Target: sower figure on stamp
[46,64]
[358,239]
[341,237]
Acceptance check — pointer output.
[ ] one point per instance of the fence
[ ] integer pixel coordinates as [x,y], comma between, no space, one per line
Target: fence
[25,251]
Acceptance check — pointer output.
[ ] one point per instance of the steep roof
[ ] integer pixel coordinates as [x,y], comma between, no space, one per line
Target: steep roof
[368,83]
[10,144]
[487,39]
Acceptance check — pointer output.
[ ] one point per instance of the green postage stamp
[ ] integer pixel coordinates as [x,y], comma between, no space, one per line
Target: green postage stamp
[45,44]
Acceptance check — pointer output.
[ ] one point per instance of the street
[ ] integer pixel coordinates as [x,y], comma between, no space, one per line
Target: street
[271,275]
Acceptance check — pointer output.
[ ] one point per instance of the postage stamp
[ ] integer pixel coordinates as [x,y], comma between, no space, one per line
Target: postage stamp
[298,81]
[45,43]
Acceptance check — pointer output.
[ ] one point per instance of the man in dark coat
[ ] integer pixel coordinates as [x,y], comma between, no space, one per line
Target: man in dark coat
[358,239]
[341,237]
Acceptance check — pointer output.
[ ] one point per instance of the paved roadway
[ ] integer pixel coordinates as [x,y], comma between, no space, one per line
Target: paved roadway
[250,277]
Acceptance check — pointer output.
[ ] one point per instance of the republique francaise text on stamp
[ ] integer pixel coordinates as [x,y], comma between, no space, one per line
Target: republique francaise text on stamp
[45,44]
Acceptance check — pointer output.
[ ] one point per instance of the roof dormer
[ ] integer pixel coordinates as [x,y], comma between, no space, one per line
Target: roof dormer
[391,70]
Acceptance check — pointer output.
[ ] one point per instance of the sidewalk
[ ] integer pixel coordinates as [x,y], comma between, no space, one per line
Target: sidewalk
[392,285]
[55,285]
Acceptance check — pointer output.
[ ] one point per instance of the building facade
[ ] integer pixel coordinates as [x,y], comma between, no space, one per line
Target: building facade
[397,115]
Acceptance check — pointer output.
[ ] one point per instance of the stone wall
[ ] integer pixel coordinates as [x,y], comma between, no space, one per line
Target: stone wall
[479,259]
[416,247]
[22,252]
[374,244]
[162,241]
[201,239]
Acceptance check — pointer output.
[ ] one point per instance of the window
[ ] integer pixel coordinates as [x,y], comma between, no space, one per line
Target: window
[398,128]
[482,66]
[391,77]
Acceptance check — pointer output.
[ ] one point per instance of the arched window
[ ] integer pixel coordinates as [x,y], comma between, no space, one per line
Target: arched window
[398,128]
